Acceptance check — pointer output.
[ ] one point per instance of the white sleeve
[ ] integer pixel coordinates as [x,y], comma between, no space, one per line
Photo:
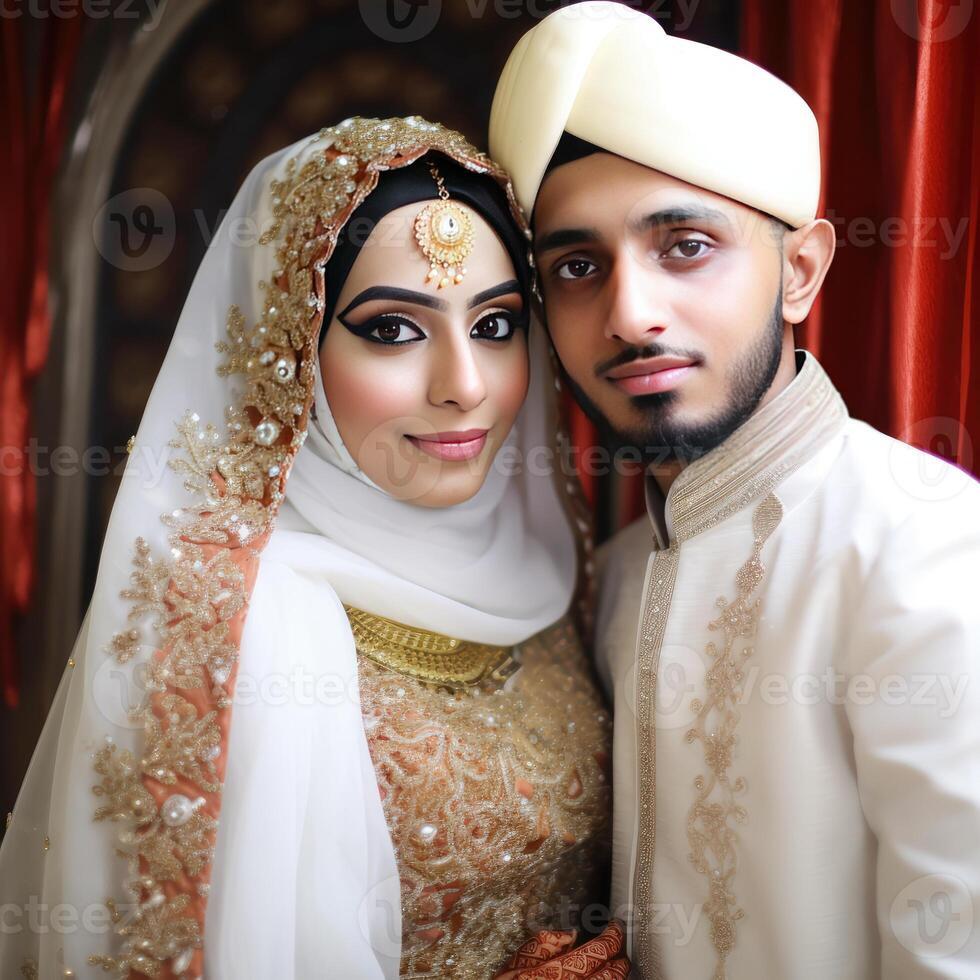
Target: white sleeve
[915,717]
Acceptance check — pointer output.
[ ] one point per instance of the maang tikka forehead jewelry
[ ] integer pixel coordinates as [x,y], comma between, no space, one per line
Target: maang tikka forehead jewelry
[445,235]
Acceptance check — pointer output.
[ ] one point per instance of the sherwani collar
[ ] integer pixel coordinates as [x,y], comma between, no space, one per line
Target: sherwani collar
[762,452]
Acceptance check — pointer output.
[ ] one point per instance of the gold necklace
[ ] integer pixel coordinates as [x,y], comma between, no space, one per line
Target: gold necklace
[429,657]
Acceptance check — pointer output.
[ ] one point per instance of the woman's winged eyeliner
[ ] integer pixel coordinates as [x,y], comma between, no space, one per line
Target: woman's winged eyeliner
[398,294]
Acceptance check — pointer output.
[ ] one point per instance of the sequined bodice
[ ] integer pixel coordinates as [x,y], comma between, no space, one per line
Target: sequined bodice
[497,798]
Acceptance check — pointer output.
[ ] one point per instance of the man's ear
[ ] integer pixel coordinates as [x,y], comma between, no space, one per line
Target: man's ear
[807,254]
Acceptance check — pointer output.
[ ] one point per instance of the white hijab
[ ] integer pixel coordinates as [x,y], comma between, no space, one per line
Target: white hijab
[303,878]
[494,568]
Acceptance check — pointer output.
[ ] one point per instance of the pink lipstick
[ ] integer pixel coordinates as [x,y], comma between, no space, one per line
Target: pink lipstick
[452,446]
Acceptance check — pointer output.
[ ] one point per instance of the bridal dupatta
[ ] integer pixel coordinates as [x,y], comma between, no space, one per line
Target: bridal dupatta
[117,821]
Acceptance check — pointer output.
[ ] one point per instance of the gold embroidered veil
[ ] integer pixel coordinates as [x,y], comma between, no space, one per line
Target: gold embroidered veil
[118,817]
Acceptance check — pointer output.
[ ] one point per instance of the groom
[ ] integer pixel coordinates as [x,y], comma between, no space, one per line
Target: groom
[791,634]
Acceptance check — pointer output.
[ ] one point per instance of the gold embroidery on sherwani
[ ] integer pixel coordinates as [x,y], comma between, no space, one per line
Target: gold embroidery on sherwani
[497,798]
[715,811]
[747,467]
[165,800]
[660,586]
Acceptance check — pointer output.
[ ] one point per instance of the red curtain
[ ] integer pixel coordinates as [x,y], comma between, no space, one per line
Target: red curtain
[32,113]
[894,85]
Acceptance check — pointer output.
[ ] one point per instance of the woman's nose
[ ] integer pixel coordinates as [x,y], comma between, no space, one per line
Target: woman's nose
[456,376]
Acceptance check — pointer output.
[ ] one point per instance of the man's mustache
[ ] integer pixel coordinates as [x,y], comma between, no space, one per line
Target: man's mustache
[630,354]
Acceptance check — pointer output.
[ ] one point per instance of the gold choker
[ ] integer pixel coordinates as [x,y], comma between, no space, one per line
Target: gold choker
[432,658]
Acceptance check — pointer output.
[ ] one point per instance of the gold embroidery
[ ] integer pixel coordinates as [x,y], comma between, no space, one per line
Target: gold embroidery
[770,446]
[498,803]
[196,597]
[659,589]
[29,969]
[428,656]
[124,646]
[157,928]
[759,455]
[710,829]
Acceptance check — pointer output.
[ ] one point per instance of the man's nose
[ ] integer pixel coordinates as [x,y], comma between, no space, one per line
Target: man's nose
[636,315]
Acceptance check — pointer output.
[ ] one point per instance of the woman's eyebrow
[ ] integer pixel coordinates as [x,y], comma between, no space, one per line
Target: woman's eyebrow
[504,289]
[399,295]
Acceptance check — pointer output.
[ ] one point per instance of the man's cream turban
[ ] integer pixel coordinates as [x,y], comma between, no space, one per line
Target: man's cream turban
[612,76]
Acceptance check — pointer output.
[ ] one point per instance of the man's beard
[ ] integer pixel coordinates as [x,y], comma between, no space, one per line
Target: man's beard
[660,438]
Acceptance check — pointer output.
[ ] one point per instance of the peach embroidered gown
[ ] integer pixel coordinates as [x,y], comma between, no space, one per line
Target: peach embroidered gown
[497,799]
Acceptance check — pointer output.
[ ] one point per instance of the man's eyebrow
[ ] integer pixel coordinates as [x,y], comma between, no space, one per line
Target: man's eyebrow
[504,289]
[397,294]
[563,237]
[676,215]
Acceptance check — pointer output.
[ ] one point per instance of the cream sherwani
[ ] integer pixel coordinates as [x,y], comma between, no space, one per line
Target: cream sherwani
[792,643]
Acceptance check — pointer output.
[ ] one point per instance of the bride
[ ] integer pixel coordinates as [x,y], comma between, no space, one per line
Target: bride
[329,690]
